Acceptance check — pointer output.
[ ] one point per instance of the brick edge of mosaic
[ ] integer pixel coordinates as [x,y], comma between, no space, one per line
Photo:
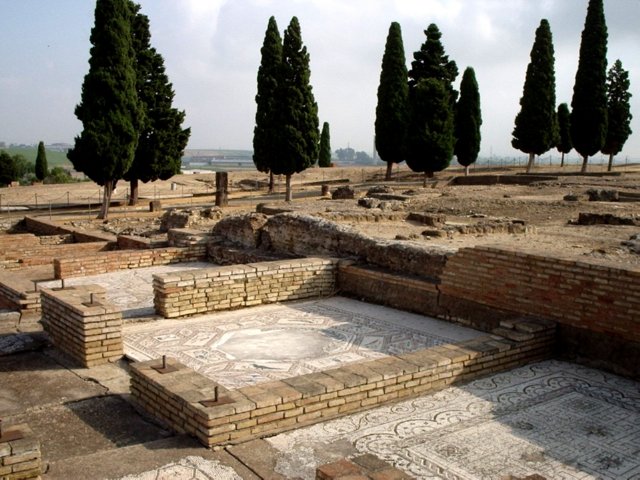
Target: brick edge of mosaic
[276,406]
[82,324]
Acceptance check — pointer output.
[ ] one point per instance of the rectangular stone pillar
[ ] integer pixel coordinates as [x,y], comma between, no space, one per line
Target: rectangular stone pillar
[222,189]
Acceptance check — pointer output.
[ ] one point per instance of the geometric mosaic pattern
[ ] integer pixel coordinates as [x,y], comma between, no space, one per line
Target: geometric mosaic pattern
[188,468]
[272,342]
[559,420]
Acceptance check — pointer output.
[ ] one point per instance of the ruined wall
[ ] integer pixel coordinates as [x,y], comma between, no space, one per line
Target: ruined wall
[308,235]
[104,262]
[182,294]
[40,226]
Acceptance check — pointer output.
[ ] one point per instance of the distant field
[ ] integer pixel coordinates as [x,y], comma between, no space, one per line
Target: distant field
[54,159]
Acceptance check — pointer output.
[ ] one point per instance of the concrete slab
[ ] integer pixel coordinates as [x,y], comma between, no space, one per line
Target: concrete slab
[273,342]
[31,380]
[554,419]
[131,290]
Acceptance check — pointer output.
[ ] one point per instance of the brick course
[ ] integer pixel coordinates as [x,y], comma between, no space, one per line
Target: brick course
[20,459]
[90,333]
[188,293]
[276,406]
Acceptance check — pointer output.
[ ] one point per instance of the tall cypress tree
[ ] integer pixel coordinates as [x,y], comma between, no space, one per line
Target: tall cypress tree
[109,108]
[564,145]
[265,149]
[468,119]
[298,111]
[431,62]
[391,111]
[41,163]
[589,102]
[324,157]
[430,136]
[536,127]
[618,111]
[162,139]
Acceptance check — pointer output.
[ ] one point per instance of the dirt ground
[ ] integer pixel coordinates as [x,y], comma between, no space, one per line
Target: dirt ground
[540,206]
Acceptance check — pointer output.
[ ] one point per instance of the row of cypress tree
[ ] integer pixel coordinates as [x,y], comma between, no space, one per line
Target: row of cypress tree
[418,115]
[285,137]
[130,129]
[600,116]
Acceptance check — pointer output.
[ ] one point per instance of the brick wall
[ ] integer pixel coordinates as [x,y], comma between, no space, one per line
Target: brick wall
[578,294]
[19,293]
[41,226]
[105,262]
[23,252]
[188,293]
[271,407]
[20,459]
[82,324]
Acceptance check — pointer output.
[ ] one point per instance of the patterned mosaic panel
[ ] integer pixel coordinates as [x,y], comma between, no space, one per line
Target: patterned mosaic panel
[557,420]
[279,341]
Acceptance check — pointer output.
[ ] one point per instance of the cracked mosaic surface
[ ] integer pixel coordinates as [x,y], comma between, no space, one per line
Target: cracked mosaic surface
[558,420]
[189,468]
[278,341]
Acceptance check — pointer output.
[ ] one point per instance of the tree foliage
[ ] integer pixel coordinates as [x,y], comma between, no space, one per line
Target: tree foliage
[298,112]
[109,108]
[7,168]
[564,144]
[536,129]
[42,170]
[430,137]
[430,131]
[266,131]
[618,111]
[391,110]
[589,102]
[324,157]
[468,119]
[162,139]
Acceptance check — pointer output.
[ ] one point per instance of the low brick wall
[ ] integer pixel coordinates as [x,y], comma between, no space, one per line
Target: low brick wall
[41,226]
[19,256]
[105,262]
[276,406]
[188,293]
[362,467]
[20,459]
[19,294]
[82,324]
[579,294]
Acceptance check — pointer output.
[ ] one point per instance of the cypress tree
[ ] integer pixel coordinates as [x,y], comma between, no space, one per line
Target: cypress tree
[298,112]
[8,171]
[468,119]
[430,136]
[431,62]
[391,111]
[324,157]
[589,102]
[265,149]
[41,163]
[162,139]
[536,127]
[618,111]
[109,108]
[564,131]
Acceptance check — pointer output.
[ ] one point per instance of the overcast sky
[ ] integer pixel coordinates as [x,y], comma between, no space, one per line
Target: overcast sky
[212,53]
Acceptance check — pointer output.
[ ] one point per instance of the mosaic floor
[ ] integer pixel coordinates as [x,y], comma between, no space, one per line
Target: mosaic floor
[278,341]
[131,290]
[188,468]
[554,419]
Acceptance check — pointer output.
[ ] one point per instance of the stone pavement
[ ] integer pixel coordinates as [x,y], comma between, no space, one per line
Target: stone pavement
[131,290]
[273,342]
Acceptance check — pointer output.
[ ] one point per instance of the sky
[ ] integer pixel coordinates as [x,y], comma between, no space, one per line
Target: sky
[211,50]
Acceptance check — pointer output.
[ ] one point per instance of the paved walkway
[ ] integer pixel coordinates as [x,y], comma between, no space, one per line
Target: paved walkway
[272,342]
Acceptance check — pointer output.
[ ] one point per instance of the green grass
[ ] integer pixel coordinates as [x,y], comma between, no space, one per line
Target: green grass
[54,159]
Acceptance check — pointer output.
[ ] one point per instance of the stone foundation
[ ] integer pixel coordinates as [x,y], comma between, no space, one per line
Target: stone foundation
[20,459]
[207,290]
[182,398]
[82,324]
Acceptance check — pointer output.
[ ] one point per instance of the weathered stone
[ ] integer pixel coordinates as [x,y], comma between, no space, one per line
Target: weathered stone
[243,230]
[189,217]
[368,202]
[601,195]
[344,193]
[606,219]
